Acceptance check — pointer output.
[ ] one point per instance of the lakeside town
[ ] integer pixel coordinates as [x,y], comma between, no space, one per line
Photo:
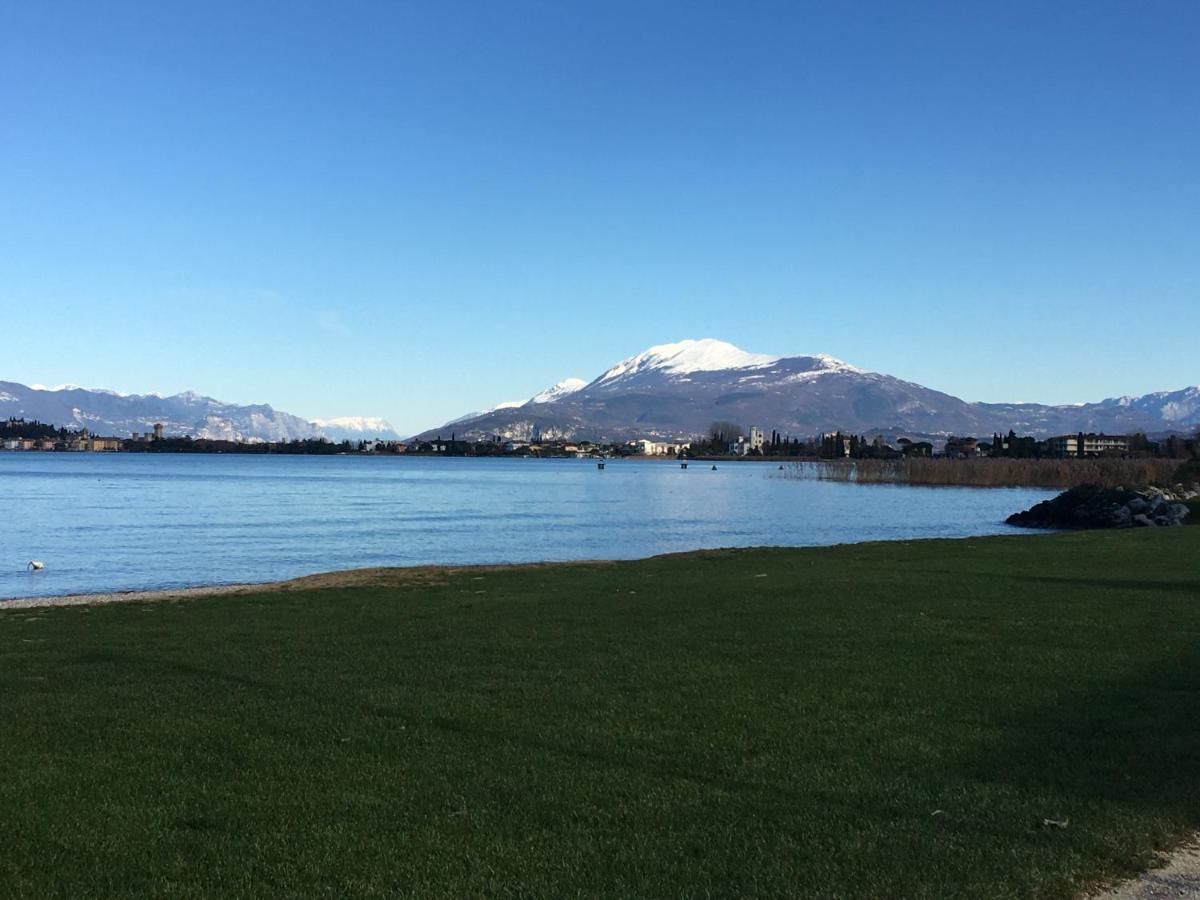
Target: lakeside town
[724,440]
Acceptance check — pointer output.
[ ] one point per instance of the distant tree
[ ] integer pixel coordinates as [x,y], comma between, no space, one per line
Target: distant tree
[724,432]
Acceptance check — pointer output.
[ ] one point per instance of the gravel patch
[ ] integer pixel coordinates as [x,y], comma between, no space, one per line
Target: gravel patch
[1179,876]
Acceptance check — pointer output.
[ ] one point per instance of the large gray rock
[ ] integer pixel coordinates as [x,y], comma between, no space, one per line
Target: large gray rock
[1177,512]
[1120,517]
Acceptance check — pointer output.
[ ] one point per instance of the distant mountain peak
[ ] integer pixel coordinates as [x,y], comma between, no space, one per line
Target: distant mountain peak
[356,428]
[70,387]
[110,413]
[677,390]
[832,363]
[503,404]
[558,391]
[685,357]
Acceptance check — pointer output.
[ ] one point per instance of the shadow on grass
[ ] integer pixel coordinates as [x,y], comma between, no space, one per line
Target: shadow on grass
[644,759]
[1133,584]
[173,667]
[1132,741]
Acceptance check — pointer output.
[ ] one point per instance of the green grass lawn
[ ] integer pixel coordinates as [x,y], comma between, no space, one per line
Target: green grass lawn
[882,720]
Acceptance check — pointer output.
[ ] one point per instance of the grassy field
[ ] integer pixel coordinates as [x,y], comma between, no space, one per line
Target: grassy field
[883,720]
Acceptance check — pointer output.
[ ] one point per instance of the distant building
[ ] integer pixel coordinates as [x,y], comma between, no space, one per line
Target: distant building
[835,444]
[910,448]
[657,448]
[158,431]
[962,448]
[756,438]
[1087,444]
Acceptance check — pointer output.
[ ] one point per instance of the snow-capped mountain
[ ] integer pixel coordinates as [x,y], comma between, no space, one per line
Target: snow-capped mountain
[356,428]
[558,391]
[504,404]
[119,415]
[677,390]
[683,358]
[555,392]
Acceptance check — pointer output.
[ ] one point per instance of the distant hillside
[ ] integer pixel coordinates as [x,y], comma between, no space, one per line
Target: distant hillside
[678,390]
[119,415]
[356,428]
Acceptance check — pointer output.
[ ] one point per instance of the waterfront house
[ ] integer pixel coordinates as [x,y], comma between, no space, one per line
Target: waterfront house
[657,448]
[962,448]
[1067,445]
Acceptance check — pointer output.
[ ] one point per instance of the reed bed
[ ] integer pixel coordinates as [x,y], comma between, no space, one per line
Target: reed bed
[1051,473]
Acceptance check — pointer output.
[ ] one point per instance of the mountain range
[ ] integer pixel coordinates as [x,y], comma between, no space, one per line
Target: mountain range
[668,392]
[674,391]
[119,415]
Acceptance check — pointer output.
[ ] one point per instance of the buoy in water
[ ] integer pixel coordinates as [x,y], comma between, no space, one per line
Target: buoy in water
[714,468]
[599,465]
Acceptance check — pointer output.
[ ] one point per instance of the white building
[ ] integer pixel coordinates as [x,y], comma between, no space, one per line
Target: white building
[745,446]
[1093,444]
[658,448]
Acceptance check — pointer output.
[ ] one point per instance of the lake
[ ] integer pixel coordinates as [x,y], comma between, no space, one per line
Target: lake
[111,522]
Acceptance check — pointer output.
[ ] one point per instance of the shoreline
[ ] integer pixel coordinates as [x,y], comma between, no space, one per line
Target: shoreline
[526,682]
[375,576]
[384,576]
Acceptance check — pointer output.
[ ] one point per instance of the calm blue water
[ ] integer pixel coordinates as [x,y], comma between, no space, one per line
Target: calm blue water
[128,521]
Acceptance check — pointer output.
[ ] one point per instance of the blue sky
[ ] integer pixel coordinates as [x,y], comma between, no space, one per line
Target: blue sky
[417,209]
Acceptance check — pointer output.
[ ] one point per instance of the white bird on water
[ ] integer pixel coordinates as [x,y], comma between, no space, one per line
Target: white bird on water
[36,565]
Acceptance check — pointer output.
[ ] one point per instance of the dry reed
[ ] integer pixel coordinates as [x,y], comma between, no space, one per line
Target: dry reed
[1052,473]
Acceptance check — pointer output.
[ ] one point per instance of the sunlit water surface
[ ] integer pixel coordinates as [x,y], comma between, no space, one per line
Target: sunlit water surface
[130,521]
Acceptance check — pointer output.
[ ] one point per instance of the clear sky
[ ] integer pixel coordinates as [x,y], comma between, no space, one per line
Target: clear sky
[418,209]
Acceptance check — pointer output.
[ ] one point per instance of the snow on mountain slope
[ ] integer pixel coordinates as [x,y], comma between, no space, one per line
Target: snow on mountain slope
[354,423]
[555,392]
[112,414]
[685,357]
[825,365]
[1179,408]
[504,404]
[356,428]
[674,390]
[558,391]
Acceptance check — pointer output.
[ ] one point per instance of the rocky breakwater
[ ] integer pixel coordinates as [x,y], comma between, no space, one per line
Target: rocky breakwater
[1089,506]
